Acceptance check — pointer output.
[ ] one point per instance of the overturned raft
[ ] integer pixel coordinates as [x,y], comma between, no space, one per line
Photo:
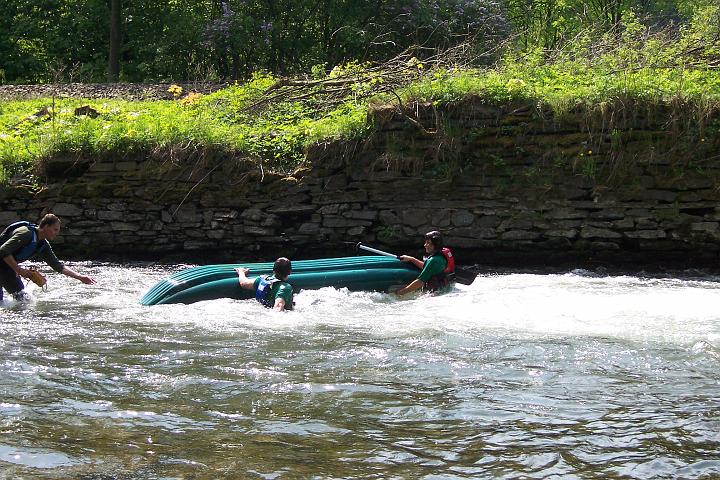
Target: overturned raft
[209,282]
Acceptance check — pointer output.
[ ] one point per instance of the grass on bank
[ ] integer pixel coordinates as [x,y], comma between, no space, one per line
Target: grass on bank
[279,136]
[651,71]
[31,130]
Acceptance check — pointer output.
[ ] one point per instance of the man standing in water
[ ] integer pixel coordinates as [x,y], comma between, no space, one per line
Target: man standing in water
[437,267]
[22,240]
[273,291]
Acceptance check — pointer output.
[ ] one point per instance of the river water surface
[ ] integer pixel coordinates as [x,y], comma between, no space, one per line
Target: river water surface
[572,375]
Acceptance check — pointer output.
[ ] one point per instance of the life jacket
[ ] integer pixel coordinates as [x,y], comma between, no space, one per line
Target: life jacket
[263,292]
[31,248]
[444,278]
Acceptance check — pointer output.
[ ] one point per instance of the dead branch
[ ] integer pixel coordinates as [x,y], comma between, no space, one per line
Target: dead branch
[364,82]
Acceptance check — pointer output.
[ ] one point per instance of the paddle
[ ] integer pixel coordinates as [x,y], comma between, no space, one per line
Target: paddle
[462,275]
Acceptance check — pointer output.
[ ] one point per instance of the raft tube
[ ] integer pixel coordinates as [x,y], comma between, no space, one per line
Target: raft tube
[210,282]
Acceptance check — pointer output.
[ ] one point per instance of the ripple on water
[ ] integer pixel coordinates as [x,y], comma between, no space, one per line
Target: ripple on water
[37,457]
[580,374]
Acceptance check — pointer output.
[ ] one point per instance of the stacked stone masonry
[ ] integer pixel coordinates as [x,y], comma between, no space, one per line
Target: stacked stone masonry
[509,184]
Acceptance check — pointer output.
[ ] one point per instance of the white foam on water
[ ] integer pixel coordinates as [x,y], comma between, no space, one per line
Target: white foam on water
[627,307]
[577,303]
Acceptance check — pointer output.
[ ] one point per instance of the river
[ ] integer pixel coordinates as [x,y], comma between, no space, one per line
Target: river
[577,374]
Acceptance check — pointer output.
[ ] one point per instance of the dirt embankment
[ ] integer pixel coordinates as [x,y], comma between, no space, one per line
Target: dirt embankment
[129,91]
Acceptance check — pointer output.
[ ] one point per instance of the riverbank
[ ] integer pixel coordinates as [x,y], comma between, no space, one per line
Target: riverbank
[508,184]
[517,166]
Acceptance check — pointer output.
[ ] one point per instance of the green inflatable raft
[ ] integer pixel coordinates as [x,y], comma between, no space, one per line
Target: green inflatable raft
[209,282]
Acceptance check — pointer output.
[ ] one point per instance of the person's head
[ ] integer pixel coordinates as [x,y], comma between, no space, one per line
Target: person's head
[49,226]
[282,268]
[433,241]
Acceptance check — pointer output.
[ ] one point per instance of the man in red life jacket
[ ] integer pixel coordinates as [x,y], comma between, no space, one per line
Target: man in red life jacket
[437,267]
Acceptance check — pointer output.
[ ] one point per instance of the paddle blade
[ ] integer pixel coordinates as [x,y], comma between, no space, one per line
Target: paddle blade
[464,276]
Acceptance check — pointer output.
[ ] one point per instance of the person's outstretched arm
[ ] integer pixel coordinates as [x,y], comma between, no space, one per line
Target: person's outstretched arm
[73,274]
[245,282]
[415,261]
[283,298]
[279,304]
[415,284]
[410,287]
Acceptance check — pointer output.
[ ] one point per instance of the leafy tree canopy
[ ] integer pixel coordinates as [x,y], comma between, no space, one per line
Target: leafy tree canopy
[171,40]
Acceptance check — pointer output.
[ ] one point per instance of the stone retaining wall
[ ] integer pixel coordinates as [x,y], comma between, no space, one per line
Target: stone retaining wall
[510,184]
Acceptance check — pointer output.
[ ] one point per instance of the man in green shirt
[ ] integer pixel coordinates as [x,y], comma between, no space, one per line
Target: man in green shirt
[21,241]
[434,271]
[273,291]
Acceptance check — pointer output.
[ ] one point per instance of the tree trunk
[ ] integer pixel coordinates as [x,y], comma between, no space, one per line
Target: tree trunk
[114,56]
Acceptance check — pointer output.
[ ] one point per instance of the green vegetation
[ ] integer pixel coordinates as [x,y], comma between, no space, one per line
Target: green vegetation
[31,130]
[169,40]
[660,68]
[251,120]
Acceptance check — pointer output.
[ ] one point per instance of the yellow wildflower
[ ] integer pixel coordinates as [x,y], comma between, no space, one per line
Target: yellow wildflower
[190,98]
[515,85]
[176,90]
